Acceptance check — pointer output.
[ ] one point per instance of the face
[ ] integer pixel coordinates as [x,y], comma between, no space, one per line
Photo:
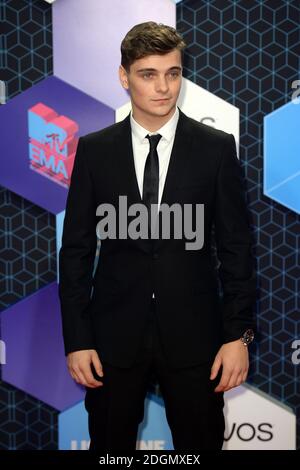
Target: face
[154,84]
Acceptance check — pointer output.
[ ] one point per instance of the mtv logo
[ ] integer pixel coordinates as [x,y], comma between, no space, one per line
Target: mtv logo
[52,143]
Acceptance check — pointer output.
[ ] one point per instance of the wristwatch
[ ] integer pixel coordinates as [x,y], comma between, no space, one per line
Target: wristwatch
[247,337]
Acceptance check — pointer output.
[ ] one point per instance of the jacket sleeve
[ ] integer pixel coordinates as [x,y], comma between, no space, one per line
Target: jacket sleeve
[77,256]
[233,240]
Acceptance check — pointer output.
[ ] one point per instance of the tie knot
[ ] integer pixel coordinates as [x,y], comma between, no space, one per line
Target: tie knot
[153,139]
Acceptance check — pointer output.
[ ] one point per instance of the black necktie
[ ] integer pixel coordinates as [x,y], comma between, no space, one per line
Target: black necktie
[151,175]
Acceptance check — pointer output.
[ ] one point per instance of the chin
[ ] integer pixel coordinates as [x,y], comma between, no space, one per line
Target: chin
[163,110]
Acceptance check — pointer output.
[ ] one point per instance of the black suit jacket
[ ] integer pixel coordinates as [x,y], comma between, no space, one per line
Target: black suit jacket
[108,311]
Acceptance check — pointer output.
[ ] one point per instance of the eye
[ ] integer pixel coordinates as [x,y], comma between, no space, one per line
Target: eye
[147,75]
[174,74]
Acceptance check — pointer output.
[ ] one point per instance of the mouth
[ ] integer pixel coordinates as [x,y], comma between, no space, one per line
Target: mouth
[162,100]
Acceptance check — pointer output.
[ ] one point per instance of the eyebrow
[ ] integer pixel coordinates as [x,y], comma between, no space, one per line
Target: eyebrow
[155,70]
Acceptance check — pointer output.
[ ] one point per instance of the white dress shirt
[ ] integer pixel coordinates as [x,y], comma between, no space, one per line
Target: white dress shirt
[141,147]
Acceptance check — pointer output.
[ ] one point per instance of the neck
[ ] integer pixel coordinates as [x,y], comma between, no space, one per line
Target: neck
[151,122]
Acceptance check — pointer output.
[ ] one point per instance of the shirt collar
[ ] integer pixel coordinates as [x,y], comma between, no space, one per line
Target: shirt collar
[167,131]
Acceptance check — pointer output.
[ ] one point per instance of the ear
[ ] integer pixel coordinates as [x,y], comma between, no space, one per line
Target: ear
[123,77]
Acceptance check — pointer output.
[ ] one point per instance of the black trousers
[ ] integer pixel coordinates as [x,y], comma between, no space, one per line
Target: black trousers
[194,411]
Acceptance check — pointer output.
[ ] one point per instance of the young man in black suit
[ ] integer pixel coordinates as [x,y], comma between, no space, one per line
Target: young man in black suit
[152,306]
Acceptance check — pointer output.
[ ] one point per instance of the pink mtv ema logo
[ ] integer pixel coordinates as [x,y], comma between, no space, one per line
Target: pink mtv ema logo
[52,143]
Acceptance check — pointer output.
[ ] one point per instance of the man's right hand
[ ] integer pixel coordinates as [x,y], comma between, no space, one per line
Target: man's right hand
[79,365]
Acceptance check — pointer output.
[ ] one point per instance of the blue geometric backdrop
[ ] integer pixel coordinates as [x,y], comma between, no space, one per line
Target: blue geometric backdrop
[27,233]
[248,53]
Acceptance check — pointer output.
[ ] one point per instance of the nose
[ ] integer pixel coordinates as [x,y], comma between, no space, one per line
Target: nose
[162,84]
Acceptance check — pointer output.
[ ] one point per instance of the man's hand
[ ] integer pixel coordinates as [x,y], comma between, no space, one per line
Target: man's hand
[234,358]
[79,365]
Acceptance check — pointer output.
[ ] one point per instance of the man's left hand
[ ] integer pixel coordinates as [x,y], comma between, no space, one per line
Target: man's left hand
[234,359]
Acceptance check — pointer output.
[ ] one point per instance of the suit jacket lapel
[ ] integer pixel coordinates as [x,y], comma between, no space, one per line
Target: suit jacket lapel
[178,158]
[126,163]
[178,164]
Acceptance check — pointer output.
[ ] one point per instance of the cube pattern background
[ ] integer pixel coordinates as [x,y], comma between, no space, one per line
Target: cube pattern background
[245,52]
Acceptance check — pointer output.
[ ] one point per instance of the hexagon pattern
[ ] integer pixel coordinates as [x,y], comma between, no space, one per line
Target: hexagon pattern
[247,53]
[26,423]
[27,248]
[33,17]
[27,41]
[28,236]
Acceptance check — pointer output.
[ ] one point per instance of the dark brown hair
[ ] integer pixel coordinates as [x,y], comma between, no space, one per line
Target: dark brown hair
[149,38]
